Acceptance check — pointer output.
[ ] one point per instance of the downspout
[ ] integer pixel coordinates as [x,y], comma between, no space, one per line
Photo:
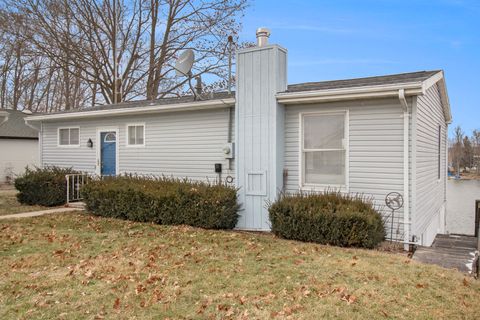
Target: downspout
[40,145]
[229,139]
[406,177]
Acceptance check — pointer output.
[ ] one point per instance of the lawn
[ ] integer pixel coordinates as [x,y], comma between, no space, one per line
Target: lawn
[10,205]
[75,266]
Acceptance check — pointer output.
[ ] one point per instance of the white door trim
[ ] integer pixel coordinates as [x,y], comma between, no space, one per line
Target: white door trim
[99,153]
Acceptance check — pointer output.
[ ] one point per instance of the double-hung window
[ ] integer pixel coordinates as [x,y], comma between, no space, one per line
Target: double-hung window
[69,137]
[136,135]
[323,149]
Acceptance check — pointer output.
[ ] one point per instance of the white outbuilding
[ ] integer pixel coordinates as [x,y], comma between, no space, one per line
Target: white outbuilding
[18,144]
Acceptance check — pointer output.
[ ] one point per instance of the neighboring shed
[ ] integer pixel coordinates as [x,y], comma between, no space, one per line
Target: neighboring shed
[370,135]
[18,144]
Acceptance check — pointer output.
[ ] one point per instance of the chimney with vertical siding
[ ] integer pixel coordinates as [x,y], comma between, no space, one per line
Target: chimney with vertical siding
[259,123]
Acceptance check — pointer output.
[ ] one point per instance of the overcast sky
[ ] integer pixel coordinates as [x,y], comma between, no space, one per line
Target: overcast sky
[340,39]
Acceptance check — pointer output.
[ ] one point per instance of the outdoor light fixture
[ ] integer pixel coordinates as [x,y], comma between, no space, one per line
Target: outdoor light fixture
[90,143]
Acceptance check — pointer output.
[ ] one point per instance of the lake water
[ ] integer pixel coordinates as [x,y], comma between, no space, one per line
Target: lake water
[461,196]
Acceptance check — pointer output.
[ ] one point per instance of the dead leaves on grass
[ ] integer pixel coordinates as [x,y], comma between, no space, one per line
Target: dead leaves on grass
[116,304]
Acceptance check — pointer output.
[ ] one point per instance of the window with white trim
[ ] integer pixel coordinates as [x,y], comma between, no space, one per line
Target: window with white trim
[69,136]
[136,135]
[323,149]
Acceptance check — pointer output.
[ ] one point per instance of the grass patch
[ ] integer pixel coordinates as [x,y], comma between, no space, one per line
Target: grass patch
[10,205]
[77,266]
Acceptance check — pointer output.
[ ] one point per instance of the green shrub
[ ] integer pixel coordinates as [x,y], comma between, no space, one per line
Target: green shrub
[163,200]
[329,218]
[45,187]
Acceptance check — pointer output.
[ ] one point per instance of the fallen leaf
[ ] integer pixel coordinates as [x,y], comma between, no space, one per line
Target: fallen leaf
[348,298]
[139,289]
[89,274]
[116,304]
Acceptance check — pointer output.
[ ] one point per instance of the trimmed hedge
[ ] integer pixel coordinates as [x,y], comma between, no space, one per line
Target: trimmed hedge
[163,201]
[45,187]
[329,218]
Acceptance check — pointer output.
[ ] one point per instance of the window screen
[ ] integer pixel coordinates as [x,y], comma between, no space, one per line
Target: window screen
[323,149]
[69,136]
[136,135]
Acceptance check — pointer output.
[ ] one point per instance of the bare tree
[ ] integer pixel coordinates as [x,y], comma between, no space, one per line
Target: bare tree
[200,25]
[26,74]
[107,51]
[476,149]
[457,148]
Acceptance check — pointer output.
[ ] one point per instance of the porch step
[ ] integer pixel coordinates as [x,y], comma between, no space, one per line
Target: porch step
[455,241]
[449,251]
[78,205]
[461,262]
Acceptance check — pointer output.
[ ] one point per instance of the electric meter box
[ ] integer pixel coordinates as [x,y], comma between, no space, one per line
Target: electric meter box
[229,150]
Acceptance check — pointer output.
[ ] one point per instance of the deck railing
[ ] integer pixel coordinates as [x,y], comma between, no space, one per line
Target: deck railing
[476,261]
[75,182]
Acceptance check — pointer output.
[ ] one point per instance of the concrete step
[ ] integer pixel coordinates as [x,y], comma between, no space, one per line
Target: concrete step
[453,241]
[449,251]
[78,205]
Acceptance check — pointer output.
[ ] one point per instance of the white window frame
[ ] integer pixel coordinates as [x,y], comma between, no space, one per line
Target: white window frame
[322,187]
[127,143]
[68,145]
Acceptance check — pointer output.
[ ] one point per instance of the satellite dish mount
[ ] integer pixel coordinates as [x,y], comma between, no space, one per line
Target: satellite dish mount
[183,67]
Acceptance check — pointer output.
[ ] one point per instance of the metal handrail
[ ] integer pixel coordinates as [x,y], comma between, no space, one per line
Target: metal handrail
[75,182]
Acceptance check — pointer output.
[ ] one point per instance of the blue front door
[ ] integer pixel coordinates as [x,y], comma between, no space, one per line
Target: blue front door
[108,156]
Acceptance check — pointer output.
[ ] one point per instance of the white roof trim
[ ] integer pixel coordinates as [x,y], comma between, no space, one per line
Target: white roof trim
[439,78]
[188,106]
[369,92]
[364,92]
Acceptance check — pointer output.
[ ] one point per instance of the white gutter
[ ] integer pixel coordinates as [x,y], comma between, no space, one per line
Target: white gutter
[380,91]
[406,177]
[188,106]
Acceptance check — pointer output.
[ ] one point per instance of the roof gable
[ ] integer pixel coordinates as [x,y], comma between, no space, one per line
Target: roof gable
[12,125]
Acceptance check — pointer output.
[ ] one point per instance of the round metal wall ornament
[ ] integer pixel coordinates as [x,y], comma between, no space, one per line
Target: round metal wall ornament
[394,200]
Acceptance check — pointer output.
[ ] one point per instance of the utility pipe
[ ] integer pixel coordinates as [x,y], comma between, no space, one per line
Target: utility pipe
[406,178]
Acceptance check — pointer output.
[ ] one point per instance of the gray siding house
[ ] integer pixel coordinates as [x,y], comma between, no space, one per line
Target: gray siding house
[370,136]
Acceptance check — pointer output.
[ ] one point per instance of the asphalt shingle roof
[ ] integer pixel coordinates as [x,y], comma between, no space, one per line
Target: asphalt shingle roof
[14,126]
[307,86]
[146,103]
[418,76]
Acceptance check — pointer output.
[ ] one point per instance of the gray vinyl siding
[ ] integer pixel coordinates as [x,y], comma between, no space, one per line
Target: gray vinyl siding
[261,74]
[179,144]
[430,192]
[375,149]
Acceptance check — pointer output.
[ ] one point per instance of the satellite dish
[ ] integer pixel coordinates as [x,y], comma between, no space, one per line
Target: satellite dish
[184,63]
